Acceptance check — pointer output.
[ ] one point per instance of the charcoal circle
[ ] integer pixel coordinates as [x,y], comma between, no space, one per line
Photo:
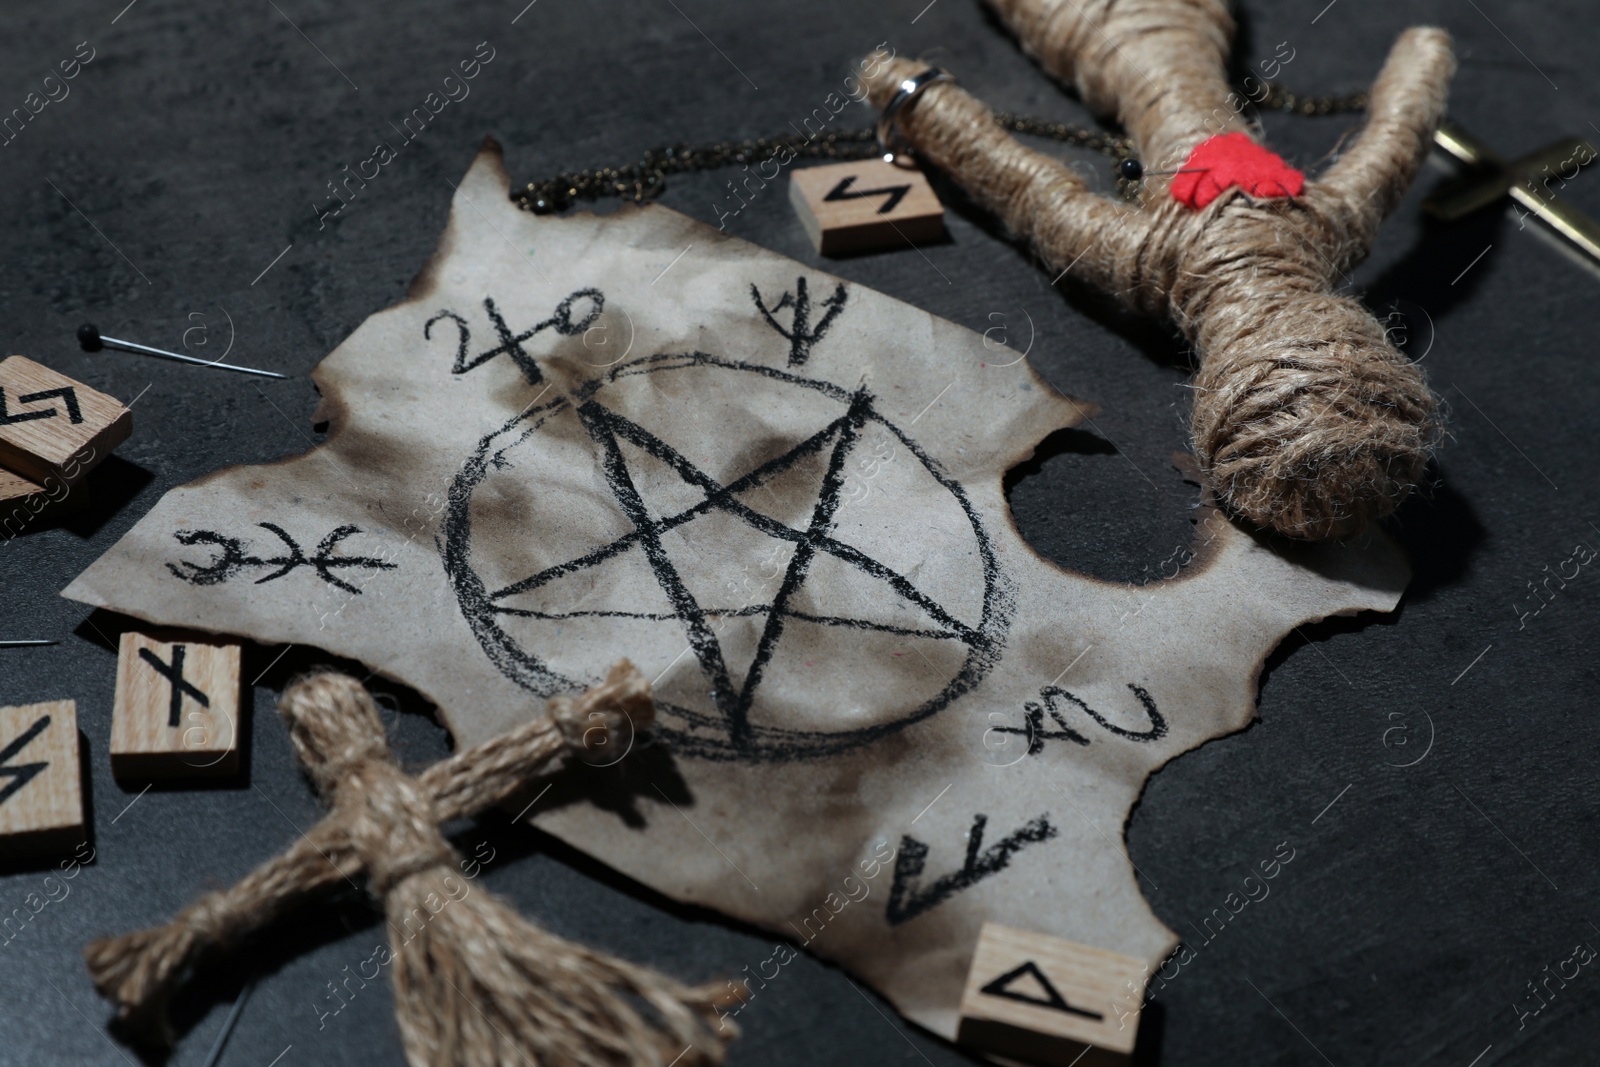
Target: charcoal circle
[752,742]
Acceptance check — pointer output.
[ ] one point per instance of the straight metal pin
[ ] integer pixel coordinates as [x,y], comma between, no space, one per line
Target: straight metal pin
[226,1031]
[90,338]
[1132,170]
[26,644]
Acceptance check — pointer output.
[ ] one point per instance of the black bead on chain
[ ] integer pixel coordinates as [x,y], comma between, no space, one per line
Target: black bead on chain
[646,178]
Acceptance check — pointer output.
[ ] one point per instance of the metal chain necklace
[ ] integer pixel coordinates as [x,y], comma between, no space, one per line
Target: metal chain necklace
[645,178]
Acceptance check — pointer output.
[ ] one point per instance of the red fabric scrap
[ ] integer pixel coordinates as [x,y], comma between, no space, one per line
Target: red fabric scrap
[1230,159]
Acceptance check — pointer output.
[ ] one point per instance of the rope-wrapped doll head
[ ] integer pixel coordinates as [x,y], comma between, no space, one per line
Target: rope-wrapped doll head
[1306,419]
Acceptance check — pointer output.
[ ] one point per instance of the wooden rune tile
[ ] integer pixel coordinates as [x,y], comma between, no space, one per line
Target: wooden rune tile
[1045,1000]
[176,711]
[52,427]
[41,790]
[23,500]
[865,205]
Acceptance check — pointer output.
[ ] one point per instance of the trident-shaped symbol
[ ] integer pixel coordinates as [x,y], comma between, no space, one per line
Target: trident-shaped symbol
[801,334]
[233,558]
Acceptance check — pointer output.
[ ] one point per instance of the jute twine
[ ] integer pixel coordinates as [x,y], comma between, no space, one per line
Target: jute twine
[475,985]
[1306,419]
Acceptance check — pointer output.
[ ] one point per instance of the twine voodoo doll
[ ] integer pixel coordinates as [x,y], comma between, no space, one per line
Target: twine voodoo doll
[474,984]
[1306,419]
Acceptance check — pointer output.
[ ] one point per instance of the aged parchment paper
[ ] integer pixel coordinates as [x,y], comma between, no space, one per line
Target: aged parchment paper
[884,718]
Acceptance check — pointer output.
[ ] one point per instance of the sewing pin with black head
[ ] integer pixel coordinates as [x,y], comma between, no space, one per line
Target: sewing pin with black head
[91,339]
[1132,170]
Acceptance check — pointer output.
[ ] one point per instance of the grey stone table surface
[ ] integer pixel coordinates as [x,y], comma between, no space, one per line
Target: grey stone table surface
[174,188]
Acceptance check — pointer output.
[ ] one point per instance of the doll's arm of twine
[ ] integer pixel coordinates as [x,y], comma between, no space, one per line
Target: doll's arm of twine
[1406,106]
[1038,198]
[604,720]
[138,970]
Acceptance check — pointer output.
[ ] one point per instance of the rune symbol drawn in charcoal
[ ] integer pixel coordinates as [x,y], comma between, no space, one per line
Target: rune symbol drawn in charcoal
[800,333]
[233,558]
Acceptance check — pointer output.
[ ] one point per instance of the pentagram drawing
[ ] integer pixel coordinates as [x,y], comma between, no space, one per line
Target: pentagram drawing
[822,579]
